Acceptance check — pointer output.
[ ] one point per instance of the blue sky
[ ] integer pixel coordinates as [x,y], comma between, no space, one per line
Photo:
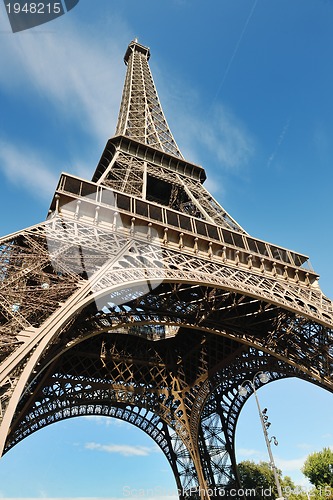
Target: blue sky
[246,86]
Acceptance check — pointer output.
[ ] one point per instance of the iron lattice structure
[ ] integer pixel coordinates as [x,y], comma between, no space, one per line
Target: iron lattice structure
[141,298]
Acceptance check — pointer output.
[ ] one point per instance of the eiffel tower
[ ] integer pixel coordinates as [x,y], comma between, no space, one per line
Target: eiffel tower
[141,298]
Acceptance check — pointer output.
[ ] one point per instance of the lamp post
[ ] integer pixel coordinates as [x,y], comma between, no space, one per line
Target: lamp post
[264,378]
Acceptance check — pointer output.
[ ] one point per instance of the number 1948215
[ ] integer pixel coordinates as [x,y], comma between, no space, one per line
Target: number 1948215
[34,8]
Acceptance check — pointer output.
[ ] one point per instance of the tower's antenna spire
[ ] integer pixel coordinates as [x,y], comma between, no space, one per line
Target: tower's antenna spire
[141,116]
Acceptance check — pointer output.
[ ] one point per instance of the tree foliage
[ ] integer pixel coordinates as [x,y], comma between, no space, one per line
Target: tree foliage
[318,468]
[256,476]
[260,478]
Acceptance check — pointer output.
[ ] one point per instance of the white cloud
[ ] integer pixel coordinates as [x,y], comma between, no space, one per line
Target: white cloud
[123,449]
[239,41]
[305,446]
[220,143]
[79,74]
[228,139]
[108,421]
[26,169]
[222,137]
[247,453]
[82,77]
[214,129]
[290,465]
[286,465]
[279,142]
[327,436]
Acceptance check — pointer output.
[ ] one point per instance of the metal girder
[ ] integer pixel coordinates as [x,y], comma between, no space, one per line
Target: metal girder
[132,286]
[128,173]
[141,116]
[141,298]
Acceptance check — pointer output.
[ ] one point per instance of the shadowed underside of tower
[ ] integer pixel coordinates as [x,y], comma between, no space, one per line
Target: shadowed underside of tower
[142,299]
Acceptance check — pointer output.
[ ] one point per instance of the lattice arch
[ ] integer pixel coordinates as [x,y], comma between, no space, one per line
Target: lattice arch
[140,297]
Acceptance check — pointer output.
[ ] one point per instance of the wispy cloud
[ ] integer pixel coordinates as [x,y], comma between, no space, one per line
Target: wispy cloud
[80,78]
[305,446]
[290,465]
[231,60]
[80,75]
[286,465]
[123,449]
[221,135]
[279,142]
[107,421]
[328,435]
[248,453]
[228,139]
[27,170]
[204,135]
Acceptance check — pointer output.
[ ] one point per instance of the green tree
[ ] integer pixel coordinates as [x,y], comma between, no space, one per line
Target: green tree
[304,493]
[318,468]
[260,478]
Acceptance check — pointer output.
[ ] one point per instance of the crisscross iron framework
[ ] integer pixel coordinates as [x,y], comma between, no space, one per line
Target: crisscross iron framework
[141,298]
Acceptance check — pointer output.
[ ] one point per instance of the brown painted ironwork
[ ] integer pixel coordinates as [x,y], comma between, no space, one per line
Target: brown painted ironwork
[142,299]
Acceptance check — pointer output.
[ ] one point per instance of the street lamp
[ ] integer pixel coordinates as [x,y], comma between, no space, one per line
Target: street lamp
[242,391]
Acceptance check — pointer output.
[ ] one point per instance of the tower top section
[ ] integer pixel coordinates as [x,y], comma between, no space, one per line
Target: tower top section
[135,45]
[141,116]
